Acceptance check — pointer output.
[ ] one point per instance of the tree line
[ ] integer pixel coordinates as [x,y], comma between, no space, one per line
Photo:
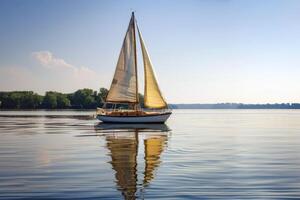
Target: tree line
[81,99]
[236,106]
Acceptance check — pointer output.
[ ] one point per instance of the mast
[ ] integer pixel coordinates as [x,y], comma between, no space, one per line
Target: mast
[135,60]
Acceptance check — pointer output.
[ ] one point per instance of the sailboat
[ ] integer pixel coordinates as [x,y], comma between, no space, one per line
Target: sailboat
[122,104]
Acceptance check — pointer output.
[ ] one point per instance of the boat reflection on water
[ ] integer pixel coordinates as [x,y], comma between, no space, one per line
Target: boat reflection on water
[122,141]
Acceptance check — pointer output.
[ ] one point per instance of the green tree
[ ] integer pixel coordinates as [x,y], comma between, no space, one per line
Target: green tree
[13,100]
[20,99]
[38,99]
[29,100]
[141,100]
[84,98]
[102,94]
[50,100]
[62,101]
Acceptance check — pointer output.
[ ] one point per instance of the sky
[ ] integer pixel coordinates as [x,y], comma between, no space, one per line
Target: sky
[209,51]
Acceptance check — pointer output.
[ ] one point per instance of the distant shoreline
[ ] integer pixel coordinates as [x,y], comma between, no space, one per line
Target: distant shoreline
[236,106]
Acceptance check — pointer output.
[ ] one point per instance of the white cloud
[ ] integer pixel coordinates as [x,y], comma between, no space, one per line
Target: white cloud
[47,59]
[69,75]
[51,73]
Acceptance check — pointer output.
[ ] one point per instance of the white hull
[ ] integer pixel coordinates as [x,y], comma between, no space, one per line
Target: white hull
[159,118]
[132,126]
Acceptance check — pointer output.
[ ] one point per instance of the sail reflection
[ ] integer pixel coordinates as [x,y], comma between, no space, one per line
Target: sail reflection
[122,141]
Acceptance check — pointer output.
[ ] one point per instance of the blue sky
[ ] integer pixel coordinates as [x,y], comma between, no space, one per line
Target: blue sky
[202,51]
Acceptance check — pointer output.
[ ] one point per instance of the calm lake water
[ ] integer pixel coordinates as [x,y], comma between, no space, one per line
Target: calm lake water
[198,154]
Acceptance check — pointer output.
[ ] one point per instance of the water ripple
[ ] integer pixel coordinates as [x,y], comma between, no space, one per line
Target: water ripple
[200,154]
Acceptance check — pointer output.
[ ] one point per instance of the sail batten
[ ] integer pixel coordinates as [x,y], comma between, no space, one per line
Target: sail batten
[124,84]
[153,97]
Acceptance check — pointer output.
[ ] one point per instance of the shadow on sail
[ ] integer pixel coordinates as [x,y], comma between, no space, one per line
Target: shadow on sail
[122,141]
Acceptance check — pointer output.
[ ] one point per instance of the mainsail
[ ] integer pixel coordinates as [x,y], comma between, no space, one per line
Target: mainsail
[152,97]
[124,85]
